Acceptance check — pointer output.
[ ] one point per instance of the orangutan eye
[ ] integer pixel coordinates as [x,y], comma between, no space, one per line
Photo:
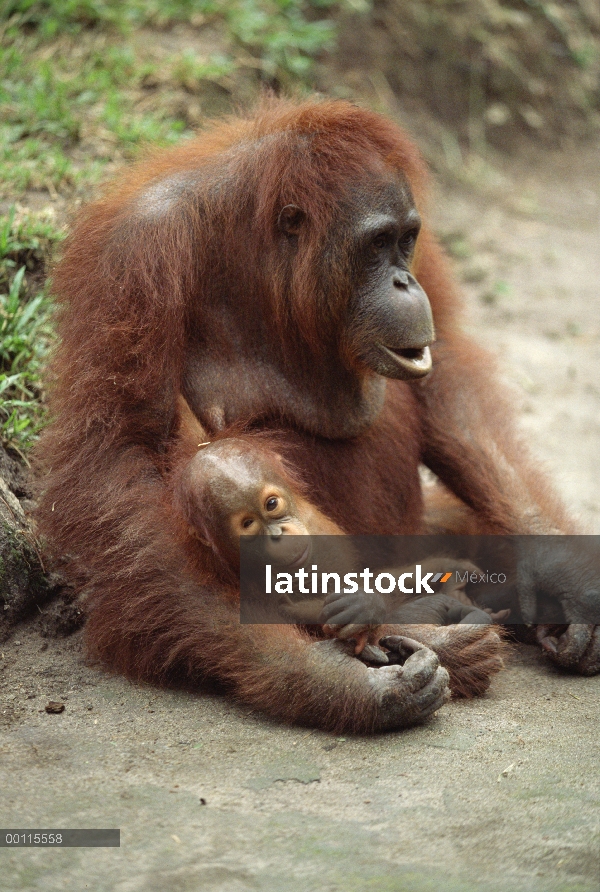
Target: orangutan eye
[272,503]
[247,523]
[380,241]
[407,242]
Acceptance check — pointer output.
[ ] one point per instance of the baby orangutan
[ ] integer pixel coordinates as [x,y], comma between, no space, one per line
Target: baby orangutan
[238,486]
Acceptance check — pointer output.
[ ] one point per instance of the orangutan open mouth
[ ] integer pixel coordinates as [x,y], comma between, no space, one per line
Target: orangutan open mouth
[416,361]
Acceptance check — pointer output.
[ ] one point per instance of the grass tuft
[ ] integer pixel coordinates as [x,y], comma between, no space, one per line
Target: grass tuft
[25,327]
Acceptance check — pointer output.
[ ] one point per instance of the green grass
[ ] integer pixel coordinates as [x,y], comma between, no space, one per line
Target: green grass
[81,87]
[63,118]
[25,327]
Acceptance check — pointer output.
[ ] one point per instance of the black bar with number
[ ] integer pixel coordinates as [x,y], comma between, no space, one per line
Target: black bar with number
[59,838]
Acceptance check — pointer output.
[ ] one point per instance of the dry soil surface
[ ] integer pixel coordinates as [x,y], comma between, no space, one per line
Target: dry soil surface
[498,793]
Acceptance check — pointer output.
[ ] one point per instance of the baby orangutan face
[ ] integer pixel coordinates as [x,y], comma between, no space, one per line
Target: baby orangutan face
[233,491]
[270,512]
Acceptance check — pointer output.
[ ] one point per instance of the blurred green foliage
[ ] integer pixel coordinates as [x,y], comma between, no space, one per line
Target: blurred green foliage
[285,35]
[490,70]
[76,74]
[25,328]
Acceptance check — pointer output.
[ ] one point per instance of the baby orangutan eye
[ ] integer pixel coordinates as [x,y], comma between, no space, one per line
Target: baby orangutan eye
[247,523]
[272,503]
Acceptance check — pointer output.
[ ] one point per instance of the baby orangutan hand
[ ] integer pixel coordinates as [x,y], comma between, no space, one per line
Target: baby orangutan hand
[357,616]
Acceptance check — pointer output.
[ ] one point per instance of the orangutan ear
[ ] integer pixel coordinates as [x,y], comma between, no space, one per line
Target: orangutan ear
[291,219]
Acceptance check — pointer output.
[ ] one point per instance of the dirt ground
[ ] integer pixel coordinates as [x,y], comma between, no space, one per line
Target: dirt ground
[498,793]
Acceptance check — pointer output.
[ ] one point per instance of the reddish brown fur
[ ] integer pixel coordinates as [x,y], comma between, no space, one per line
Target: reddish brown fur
[195,504]
[139,276]
[203,508]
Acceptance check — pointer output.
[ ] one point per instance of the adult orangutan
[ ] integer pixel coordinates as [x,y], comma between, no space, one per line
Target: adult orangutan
[275,271]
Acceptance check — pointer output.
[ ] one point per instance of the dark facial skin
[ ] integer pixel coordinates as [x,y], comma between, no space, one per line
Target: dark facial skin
[390,324]
[365,269]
